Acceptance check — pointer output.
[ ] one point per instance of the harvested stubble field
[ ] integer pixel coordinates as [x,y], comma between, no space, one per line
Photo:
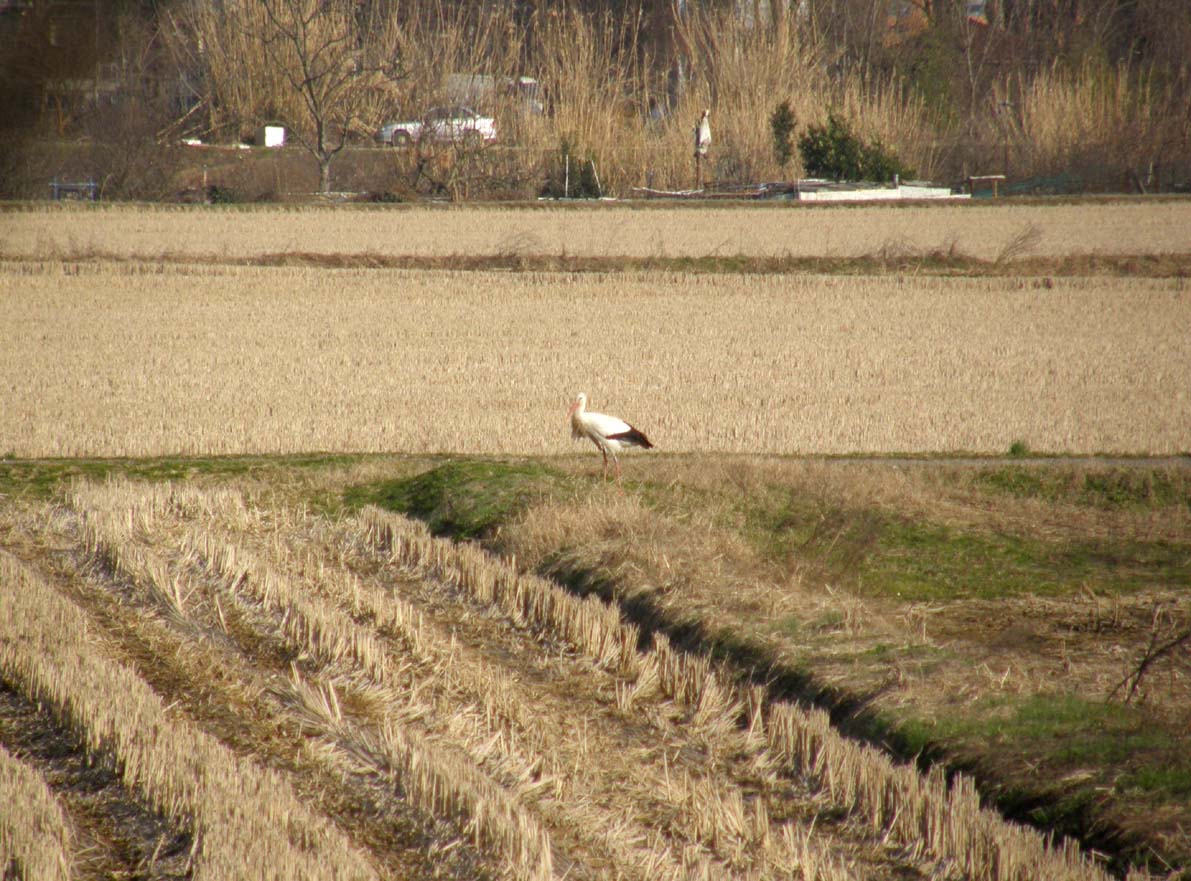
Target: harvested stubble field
[985,231]
[253,671]
[375,702]
[138,359]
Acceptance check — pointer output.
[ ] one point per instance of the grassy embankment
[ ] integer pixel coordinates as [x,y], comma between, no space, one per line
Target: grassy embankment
[984,615]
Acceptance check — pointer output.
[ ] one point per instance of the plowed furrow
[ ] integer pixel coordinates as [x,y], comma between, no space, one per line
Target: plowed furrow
[226,668]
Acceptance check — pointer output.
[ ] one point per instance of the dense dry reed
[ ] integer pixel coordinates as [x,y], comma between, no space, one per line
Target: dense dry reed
[141,360]
[1092,117]
[613,96]
[35,837]
[741,73]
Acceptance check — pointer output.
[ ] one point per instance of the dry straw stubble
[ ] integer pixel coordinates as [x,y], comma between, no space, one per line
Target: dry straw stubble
[926,814]
[134,530]
[149,534]
[246,820]
[35,836]
[122,231]
[113,360]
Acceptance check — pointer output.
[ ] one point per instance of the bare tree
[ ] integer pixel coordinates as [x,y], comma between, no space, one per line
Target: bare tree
[331,54]
[977,43]
[321,67]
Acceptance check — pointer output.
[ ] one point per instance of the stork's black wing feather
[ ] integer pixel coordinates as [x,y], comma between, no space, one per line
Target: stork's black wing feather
[632,437]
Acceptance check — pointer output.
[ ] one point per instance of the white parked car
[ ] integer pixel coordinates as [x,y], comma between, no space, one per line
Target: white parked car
[441,125]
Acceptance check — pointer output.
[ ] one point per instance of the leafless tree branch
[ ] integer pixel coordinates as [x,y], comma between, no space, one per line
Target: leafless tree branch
[1157,649]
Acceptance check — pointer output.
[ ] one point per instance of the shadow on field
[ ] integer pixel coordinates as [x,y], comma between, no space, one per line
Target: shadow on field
[467,499]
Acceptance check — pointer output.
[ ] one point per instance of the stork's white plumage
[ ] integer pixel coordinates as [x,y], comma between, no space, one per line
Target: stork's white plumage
[703,134]
[608,433]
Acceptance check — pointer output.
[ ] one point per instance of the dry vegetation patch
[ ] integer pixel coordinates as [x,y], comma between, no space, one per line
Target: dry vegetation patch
[989,232]
[111,832]
[932,605]
[245,817]
[38,845]
[111,360]
[532,723]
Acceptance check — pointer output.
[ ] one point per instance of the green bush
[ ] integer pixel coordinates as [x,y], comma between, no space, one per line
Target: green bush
[835,151]
[572,175]
[218,195]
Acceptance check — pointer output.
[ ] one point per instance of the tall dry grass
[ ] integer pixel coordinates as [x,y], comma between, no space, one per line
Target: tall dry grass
[608,98]
[36,840]
[1091,118]
[306,64]
[742,72]
[590,71]
[609,103]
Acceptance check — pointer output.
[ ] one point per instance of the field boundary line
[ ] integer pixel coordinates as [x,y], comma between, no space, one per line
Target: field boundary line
[925,262]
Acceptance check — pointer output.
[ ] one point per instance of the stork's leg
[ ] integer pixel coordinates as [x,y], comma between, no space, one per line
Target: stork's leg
[619,483]
[605,452]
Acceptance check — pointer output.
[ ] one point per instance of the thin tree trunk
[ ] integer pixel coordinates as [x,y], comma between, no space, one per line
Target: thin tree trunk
[324,174]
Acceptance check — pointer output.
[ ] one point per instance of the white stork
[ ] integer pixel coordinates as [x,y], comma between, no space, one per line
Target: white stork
[703,134]
[702,145]
[608,433]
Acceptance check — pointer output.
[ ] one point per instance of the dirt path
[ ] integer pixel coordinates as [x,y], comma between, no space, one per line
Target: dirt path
[444,735]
